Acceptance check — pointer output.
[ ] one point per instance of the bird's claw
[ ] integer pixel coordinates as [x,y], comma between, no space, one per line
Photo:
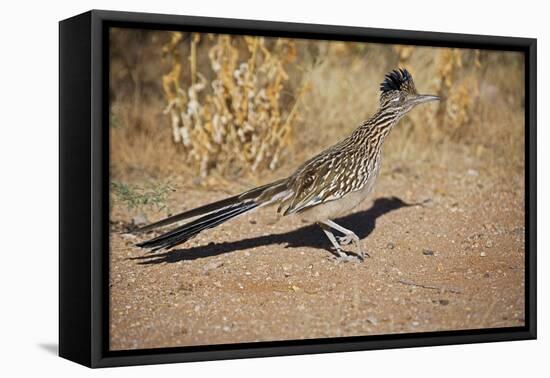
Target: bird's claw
[345,240]
[353,239]
[343,257]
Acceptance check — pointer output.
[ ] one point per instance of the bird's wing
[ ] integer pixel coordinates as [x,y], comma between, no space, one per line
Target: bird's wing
[317,181]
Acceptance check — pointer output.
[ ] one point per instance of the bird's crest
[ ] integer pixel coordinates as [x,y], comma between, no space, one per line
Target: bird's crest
[397,80]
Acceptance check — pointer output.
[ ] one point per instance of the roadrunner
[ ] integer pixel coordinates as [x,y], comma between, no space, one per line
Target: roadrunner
[325,187]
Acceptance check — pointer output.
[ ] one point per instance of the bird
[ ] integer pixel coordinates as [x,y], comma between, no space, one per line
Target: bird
[329,185]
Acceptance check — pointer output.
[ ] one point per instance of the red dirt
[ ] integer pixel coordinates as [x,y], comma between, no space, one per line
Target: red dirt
[454,262]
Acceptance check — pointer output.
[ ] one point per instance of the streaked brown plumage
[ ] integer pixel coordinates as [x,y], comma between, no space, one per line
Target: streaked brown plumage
[329,185]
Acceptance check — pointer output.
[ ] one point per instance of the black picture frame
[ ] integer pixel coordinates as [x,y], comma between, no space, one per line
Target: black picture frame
[83,181]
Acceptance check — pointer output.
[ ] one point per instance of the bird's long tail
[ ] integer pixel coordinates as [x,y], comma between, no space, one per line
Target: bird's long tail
[211,215]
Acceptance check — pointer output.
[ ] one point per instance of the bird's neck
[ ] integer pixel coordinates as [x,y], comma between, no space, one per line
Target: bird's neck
[375,129]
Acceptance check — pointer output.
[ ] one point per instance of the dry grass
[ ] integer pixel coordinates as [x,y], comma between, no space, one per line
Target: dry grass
[242,106]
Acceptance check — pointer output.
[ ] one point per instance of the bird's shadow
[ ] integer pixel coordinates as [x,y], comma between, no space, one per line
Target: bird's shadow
[362,223]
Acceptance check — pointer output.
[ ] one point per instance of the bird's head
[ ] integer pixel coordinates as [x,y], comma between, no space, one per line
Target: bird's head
[399,92]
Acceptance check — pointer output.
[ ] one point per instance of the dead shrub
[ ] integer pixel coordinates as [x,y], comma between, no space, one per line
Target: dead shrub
[231,120]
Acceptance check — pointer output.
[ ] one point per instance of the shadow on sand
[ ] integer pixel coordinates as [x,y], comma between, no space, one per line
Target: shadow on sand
[362,223]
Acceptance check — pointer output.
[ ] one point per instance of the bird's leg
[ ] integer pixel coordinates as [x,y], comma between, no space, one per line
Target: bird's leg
[349,237]
[337,248]
[339,255]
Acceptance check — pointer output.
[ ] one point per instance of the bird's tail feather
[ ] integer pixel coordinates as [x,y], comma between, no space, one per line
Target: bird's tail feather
[211,215]
[214,206]
[189,230]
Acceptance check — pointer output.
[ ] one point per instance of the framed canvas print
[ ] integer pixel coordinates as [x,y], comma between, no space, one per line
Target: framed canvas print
[234,188]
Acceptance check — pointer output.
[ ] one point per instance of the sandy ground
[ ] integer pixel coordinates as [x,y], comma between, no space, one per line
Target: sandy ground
[456,261]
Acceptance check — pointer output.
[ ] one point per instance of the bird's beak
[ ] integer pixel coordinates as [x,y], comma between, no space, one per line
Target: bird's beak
[420,99]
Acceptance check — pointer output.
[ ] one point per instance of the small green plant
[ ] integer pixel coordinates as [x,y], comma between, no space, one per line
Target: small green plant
[115,122]
[152,195]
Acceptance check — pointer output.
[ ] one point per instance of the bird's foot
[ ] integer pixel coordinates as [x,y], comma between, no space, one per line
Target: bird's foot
[346,258]
[342,257]
[362,253]
[347,239]
[351,238]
